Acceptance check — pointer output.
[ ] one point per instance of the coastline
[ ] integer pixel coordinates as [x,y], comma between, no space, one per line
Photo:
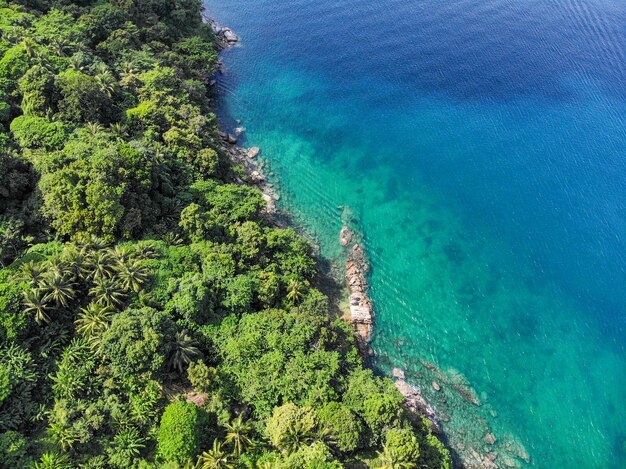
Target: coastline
[359,312]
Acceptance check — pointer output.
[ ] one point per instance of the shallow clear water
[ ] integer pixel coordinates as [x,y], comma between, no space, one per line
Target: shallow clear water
[480,146]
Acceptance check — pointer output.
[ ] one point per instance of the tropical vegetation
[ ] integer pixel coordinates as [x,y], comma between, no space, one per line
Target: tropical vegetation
[151,315]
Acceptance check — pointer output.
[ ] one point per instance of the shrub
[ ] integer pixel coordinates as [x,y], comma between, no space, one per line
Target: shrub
[342,425]
[379,410]
[291,426]
[178,437]
[38,132]
[402,445]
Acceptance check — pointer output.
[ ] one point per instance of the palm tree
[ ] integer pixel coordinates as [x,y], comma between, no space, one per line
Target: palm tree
[296,436]
[32,273]
[54,461]
[389,459]
[63,435]
[121,255]
[77,261]
[132,275]
[146,251]
[215,458]
[58,46]
[96,243]
[94,127]
[30,47]
[77,62]
[35,302]
[127,445]
[58,286]
[173,238]
[129,78]
[237,433]
[185,351]
[295,291]
[108,292]
[118,129]
[106,82]
[93,321]
[101,265]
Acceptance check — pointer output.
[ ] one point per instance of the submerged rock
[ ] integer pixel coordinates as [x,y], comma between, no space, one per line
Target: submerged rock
[435,386]
[232,139]
[490,438]
[478,460]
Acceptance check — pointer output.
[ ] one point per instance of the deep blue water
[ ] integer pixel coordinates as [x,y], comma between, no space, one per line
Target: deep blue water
[480,146]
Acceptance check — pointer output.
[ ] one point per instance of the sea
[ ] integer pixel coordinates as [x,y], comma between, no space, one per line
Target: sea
[479,148]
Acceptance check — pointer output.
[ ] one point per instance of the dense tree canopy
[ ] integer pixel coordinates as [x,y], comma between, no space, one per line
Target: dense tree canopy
[150,313]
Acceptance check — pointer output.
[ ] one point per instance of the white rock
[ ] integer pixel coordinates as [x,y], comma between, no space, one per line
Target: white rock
[397,373]
[253,152]
[230,36]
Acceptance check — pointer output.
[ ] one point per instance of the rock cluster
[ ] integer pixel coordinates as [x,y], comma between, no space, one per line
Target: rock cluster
[415,402]
[345,236]
[478,460]
[246,159]
[226,37]
[357,267]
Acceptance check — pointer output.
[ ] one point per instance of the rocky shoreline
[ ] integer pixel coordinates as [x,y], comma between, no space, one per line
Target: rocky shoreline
[246,158]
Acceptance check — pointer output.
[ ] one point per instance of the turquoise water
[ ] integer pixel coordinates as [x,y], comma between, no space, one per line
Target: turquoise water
[480,147]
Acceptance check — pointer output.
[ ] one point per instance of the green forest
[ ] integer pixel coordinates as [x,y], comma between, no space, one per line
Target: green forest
[151,315]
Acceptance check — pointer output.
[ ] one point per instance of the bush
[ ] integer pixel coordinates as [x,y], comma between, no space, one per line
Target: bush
[342,425]
[291,426]
[179,434]
[315,456]
[138,341]
[38,132]
[402,445]
[379,410]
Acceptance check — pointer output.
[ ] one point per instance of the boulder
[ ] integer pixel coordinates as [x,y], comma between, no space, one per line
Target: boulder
[229,35]
[253,152]
[345,236]
[490,438]
[232,139]
[361,313]
[435,386]
[397,373]
[354,300]
[415,402]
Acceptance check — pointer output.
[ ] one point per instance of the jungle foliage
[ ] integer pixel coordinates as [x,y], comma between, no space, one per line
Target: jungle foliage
[150,314]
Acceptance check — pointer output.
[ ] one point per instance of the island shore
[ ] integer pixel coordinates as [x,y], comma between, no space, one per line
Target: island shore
[360,311]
